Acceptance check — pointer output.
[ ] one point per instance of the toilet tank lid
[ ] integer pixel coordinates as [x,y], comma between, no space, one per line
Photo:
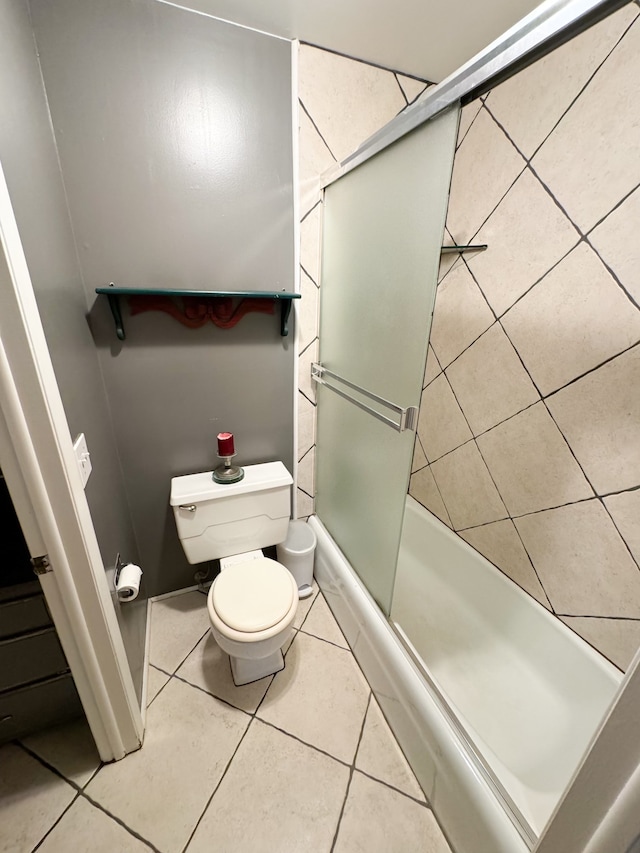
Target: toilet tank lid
[194,488]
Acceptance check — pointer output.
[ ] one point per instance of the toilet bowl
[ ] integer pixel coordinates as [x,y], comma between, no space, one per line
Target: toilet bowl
[253,602]
[252,606]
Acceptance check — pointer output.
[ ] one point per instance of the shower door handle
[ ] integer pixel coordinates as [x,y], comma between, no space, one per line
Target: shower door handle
[406,416]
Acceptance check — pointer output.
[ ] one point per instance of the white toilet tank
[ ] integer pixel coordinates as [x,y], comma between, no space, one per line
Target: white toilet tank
[218,520]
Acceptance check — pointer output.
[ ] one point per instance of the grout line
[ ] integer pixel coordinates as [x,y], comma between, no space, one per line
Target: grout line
[352,768]
[302,352]
[591,616]
[415,800]
[213,695]
[56,822]
[367,62]
[310,211]
[310,277]
[324,640]
[217,786]
[120,822]
[300,391]
[310,117]
[591,370]
[303,742]
[404,94]
[460,141]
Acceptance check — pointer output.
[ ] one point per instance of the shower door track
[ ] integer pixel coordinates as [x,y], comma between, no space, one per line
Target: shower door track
[407,417]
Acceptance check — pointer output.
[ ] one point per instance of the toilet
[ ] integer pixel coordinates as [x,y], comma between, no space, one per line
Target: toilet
[253,602]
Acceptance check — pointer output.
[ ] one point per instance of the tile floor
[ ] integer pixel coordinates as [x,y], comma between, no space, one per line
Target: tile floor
[301,761]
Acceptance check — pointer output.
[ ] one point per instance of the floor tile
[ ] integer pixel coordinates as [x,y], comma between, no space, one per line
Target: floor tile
[593,320]
[467,489]
[304,606]
[70,748]
[161,790]
[500,544]
[441,424]
[424,489]
[320,697]
[582,561]
[208,667]
[347,100]
[625,511]
[85,827]
[621,254]
[278,795]
[527,234]
[460,316]
[379,755]
[485,166]
[527,478]
[156,680]
[616,639]
[576,161]
[321,623]
[600,417]
[378,818]
[177,623]
[32,798]
[489,381]
[529,104]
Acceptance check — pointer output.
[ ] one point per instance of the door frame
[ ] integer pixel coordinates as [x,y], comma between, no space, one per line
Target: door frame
[39,465]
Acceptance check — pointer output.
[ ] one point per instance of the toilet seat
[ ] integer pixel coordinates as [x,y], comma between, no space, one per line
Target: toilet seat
[253,601]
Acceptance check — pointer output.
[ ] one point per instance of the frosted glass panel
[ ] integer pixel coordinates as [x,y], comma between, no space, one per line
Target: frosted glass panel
[383,228]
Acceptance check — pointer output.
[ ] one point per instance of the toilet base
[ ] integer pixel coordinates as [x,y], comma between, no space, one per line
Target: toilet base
[246,670]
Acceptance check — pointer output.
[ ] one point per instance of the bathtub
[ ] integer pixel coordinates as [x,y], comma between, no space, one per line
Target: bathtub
[526,692]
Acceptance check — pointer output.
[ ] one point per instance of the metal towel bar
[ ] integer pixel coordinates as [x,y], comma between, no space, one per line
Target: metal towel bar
[407,417]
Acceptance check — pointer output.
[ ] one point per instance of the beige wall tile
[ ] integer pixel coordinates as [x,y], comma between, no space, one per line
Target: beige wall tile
[306,505]
[616,239]
[293,803]
[411,87]
[529,104]
[305,360]
[500,544]
[419,459]
[468,115]
[526,235]
[467,489]
[600,417]
[432,367]
[625,511]
[379,755]
[485,166]
[306,472]
[616,639]
[531,463]
[378,818]
[348,100]
[573,320]
[490,382]
[582,561]
[306,425]
[576,161]
[306,310]
[315,158]
[441,424]
[310,231]
[423,488]
[460,315]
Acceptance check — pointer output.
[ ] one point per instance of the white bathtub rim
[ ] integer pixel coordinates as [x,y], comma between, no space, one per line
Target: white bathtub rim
[461,798]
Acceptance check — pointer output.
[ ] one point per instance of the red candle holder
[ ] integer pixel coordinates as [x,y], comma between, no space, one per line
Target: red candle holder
[227,473]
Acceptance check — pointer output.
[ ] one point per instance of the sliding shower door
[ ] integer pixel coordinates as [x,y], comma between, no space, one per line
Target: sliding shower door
[382,234]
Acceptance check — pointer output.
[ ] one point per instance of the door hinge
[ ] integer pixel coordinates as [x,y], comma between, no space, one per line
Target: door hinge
[41,565]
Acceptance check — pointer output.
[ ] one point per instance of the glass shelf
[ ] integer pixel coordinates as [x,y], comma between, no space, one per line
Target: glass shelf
[113,294]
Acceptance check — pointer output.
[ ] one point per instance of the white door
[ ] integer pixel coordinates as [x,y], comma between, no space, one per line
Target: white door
[38,462]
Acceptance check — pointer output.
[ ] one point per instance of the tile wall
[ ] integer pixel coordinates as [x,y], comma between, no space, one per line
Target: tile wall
[529,435]
[342,102]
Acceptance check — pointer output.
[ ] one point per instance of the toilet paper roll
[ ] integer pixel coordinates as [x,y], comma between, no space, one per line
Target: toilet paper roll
[128,585]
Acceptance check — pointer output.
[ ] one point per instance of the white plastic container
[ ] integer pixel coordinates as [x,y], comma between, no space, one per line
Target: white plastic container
[297,553]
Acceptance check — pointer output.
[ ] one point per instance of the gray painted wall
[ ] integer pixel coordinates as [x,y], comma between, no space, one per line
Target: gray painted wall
[175,138]
[29,159]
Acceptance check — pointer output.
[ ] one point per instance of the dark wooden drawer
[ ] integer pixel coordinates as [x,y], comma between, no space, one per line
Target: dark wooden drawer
[23,615]
[30,657]
[38,706]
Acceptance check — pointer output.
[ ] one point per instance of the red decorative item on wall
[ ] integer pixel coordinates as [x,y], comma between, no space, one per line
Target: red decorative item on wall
[225,444]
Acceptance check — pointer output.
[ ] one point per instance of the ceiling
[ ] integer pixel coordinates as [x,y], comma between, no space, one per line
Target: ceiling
[424,38]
